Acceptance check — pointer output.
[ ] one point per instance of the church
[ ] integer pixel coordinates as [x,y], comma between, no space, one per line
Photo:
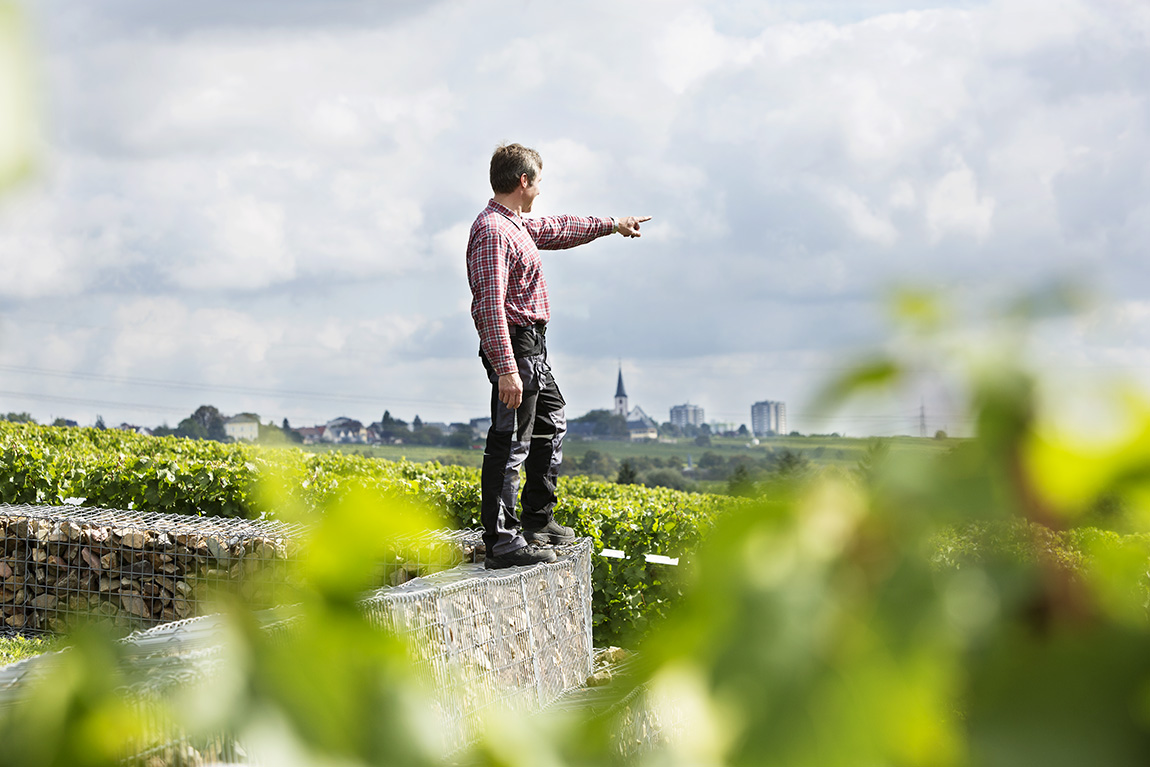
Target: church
[639,424]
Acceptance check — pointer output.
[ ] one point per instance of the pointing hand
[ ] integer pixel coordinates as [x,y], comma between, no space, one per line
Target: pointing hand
[629,226]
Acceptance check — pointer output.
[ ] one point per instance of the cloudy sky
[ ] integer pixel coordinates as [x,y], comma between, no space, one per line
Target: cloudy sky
[264,205]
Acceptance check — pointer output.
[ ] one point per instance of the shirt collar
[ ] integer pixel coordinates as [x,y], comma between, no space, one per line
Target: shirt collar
[505,211]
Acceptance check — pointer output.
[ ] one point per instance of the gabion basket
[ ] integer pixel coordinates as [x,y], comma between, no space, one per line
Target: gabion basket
[514,638]
[519,637]
[63,564]
[59,564]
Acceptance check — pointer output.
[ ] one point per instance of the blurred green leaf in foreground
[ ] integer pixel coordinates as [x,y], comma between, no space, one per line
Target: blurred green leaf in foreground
[17,113]
[969,608]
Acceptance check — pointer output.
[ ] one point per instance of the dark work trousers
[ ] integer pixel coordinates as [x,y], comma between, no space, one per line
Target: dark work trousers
[530,436]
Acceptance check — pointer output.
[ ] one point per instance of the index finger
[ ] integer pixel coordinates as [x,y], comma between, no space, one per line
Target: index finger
[641,219]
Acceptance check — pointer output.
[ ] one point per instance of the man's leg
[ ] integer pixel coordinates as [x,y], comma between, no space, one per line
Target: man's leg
[508,443]
[506,449]
[544,458]
[539,493]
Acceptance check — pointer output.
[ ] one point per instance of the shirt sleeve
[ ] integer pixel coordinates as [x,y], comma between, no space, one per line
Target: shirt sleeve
[487,269]
[560,232]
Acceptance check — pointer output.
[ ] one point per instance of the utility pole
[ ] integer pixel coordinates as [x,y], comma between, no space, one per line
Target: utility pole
[922,419]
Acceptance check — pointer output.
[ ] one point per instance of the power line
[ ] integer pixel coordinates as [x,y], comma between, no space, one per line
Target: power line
[692,366]
[221,388]
[90,402]
[215,338]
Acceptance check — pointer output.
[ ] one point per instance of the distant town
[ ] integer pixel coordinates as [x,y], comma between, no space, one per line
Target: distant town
[621,422]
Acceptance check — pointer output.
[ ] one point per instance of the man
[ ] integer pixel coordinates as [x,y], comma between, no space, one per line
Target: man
[511,309]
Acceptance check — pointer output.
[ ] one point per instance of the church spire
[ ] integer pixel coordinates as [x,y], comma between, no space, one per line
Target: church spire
[621,395]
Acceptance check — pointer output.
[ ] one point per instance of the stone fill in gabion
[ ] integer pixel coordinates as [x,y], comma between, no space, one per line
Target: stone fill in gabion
[518,637]
[59,564]
[63,563]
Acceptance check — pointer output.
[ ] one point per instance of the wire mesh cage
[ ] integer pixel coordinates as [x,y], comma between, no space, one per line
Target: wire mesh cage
[171,660]
[482,639]
[642,722]
[60,564]
[159,663]
[487,639]
[428,552]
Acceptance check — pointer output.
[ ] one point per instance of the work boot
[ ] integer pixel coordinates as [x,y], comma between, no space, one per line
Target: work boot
[528,555]
[552,533]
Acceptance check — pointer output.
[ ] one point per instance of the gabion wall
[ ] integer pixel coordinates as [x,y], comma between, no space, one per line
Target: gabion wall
[169,658]
[519,637]
[428,552]
[60,563]
[178,657]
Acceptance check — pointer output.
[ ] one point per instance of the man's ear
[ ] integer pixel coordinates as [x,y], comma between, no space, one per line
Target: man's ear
[524,182]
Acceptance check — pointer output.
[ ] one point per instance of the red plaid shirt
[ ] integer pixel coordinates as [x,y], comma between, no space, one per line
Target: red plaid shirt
[506,273]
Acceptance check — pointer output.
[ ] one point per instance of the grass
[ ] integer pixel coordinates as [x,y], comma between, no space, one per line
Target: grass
[14,648]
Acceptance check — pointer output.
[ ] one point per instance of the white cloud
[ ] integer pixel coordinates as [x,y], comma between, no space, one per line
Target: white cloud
[790,43]
[50,248]
[691,49]
[217,343]
[35,260]
[448,248]
[527,58]
[338,123]
[1021,27]
[902,195]
[246,248]
[954,206]
[580,170]
[791,155]
[862,218]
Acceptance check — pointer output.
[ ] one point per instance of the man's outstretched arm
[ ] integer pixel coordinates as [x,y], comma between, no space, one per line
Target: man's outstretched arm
[560,232]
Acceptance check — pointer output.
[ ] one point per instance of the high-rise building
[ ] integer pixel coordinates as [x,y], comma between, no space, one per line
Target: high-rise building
[768,418]
[687,415]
